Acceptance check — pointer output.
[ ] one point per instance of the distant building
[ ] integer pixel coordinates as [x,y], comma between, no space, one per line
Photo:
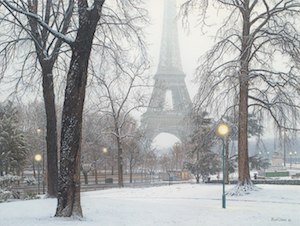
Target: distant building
[176,175]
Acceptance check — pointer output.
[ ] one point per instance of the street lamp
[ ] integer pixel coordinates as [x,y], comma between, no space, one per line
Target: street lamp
[104,151]
[176,156]
[39,131]
[295,157]
[284,133]
[38,158]
[291,159]
[223,130]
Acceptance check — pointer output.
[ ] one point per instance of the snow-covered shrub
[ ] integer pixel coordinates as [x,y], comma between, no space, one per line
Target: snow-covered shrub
[4,195]
[8,179]
[30,195]
[5,187]
[30,180]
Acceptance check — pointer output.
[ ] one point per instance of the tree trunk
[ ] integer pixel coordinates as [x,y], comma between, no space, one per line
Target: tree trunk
[18,173]
[69,179]
[33,167]
[96,176]
[198,174]
[244,175]
[227,161]
[243,164]
[6,167]
[125,166]
[47,62]
[120,164]
[70,151]
[51,137]
[197,178]
[130,169]
[85,174]
[1,171]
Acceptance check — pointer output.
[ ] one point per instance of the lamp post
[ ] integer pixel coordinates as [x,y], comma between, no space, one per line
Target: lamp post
[295,156]
[1,172]
[38,158]
[291,159]
[39,131]
[284,133]
[104,151]
[176,154]
[223,130]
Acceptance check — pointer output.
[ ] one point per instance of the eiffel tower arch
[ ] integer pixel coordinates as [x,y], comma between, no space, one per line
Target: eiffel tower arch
[161,115]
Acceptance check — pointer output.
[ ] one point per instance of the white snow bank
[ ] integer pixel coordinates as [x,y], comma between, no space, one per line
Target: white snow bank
[185,204]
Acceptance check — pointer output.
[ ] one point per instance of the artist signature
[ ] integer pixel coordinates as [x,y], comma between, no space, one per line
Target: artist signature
[280,219]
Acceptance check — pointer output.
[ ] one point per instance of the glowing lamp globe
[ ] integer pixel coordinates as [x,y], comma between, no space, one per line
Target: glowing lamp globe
[223,129]
[38,157]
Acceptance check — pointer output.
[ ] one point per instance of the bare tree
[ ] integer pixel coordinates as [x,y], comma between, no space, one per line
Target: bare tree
[25,30]
[123,129]
[133,150]
[80,42]
[69,180]
[241,71]
[93,143]
[111,159]
[150,160]
[165,162]
[120,95]
[34,119]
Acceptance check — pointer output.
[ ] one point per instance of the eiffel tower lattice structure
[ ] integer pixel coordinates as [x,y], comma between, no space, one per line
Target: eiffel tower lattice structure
[161,115]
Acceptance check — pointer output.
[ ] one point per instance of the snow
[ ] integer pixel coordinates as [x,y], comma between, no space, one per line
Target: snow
[178,204]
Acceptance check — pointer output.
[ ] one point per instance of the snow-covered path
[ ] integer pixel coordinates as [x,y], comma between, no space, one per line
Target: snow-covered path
[185,204]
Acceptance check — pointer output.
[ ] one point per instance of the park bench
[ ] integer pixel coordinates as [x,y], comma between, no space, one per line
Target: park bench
[297,175]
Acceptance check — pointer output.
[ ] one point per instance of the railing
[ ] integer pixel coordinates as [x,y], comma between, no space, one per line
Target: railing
[138,179]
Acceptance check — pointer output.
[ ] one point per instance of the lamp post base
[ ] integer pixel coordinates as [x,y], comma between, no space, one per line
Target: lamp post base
[223,201]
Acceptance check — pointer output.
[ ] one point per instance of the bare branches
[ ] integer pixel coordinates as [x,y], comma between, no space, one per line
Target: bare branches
[273,33]
[32,40]
[39,20]
[192,5]
[249,72]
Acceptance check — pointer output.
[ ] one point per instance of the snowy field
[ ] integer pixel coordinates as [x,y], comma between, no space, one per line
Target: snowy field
[184,204]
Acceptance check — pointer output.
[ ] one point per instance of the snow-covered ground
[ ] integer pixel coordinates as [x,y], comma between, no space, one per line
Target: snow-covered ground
[183,204]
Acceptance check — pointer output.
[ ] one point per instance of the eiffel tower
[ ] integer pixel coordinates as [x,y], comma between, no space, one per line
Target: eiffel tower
[169,79]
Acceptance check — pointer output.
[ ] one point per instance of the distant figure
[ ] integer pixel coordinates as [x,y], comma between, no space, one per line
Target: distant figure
[255,176]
